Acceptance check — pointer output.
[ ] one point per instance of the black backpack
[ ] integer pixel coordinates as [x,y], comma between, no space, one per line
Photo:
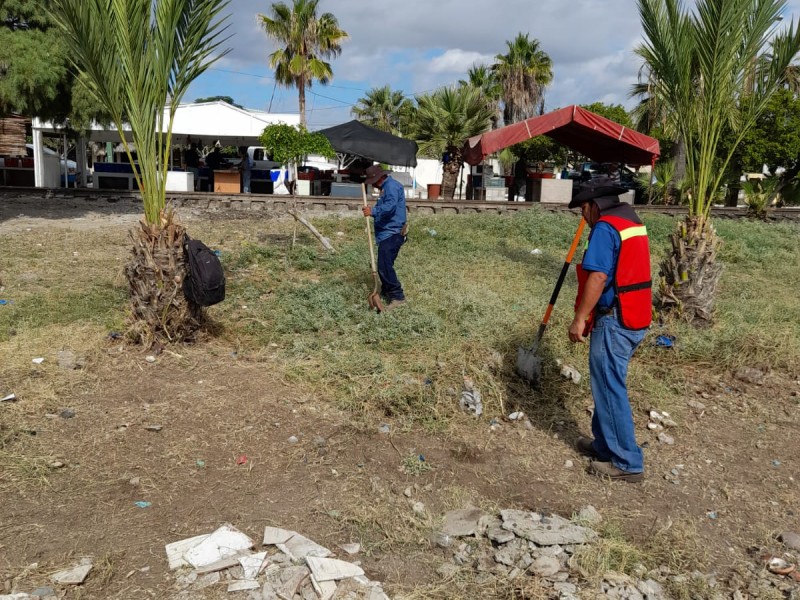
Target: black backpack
[204,283]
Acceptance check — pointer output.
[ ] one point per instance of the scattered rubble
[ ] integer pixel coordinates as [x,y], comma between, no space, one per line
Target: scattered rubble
[69,361]
[749,375]
[471,398]
[75,575]
[569,372]
[292,567]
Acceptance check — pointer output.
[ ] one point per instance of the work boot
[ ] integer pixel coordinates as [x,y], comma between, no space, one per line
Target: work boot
[585,446]
[609,471]
[393,304]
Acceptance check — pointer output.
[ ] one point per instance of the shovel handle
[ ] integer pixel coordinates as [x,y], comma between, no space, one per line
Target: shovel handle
[564,270]
[369,231]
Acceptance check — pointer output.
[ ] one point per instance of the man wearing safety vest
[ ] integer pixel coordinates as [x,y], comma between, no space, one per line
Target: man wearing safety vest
[614,308]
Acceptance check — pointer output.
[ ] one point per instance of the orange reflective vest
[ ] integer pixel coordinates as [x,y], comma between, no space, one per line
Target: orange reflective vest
[633,296]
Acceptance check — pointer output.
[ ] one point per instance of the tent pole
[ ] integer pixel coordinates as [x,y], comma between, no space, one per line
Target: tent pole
[460,180]
[66,170]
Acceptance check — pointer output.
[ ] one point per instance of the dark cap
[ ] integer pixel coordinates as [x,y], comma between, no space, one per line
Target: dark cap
[604,189]
[374,173]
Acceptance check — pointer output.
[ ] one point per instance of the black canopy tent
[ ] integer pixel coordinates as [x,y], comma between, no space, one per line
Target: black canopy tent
[357,139]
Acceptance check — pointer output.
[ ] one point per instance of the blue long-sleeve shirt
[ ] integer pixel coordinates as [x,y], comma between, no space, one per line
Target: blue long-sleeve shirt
[390,211]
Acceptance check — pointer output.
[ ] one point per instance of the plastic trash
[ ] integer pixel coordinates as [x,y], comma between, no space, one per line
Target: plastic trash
[536,252]
[665,341]
[241,460]
[3,302]
[201,463]
[37,361]
[9,398]
[143,504]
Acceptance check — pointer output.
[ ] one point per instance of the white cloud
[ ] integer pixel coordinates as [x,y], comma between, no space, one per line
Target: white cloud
[419,45]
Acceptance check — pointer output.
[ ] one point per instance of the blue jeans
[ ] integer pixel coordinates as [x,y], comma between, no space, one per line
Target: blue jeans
[610,349]
[387,253]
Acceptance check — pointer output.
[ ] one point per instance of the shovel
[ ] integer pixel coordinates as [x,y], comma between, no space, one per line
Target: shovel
[529,366]
[374,299]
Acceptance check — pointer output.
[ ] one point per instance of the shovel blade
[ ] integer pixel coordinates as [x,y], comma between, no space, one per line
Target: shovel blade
[529,366]
[374,301]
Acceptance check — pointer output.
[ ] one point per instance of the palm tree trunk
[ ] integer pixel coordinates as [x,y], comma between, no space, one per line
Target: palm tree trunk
[450,172]
[690,274]
[301,93]
[159,310]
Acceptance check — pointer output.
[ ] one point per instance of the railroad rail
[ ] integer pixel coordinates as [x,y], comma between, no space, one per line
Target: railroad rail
[268,203]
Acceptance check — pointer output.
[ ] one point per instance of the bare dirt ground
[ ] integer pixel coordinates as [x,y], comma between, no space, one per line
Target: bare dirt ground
[727,484]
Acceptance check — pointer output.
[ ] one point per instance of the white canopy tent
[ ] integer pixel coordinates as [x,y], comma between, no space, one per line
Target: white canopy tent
[202,123]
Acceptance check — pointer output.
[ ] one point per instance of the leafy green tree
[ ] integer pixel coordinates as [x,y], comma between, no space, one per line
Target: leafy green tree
[289,145]
[445,120]
[227,99]
[306,39]
[524,72]
[382,108]
[138,59]
[711,68]
[614,112]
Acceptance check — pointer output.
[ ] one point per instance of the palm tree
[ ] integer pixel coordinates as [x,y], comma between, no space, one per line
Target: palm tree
[483,78]
[306,39]
[138,58]
[523,72]
[444,121]
[381,108]
[712,68]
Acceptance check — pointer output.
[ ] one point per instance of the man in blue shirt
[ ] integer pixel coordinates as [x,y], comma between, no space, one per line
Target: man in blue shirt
[389,215]
[614,301]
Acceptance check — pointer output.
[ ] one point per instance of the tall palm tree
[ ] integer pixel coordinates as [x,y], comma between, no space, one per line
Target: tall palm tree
[444,121]
[524,72]
[306,40]
[712,68]
[381,108]
[483,78]
[138,58]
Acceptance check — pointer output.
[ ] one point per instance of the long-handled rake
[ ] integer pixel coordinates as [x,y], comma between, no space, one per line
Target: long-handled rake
[529,365]
[374,298]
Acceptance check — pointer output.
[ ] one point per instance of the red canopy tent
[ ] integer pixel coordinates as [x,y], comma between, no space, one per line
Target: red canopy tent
[592,135]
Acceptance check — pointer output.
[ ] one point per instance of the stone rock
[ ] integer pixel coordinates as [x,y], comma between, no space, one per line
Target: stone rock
[67,413]
[749,375]
[589,515]
[625,592]
[791,540]
[699,406]
[652,590]
[418,508]
[487,522]
[74,576]
[509,554]
[43,592]
[545,530]
[462,523]
[545,566]
[499,535]
[666,439]
[564,587]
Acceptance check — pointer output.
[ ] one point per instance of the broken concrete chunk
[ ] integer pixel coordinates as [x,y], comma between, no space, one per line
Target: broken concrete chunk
[545,566]
[545,531]
[176,550]
[351,548]
[298,547]
[461,523]
[219,565]
[252,564]
[276,535]
[291,580]
[225,542]
[509,554]
[791,540]
[499,535]
[74,576]
[324,589]
[243,585]
[206,580]
[332,569]
[589,515]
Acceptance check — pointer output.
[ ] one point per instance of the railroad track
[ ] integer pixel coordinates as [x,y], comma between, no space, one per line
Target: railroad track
[256,203]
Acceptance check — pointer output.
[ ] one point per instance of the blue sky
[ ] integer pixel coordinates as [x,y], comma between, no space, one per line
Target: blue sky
[420,45]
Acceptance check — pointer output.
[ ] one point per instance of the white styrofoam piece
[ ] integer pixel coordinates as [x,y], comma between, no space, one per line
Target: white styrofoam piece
[224,542]
[176,550]
[332,569]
